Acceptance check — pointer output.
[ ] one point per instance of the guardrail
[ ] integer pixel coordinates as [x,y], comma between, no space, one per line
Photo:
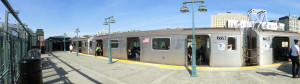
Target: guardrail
[13,48]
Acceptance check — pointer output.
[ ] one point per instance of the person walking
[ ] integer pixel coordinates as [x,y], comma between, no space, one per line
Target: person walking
[295,58]
[71,48]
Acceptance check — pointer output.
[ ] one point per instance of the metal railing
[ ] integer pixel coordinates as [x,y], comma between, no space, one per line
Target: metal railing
[15,45]
[13,48]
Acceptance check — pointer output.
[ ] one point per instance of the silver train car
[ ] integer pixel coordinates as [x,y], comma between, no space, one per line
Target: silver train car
[268,47]
[82,45]
[215,47]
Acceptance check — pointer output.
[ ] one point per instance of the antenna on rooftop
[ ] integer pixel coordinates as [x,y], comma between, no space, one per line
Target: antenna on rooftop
[258,16]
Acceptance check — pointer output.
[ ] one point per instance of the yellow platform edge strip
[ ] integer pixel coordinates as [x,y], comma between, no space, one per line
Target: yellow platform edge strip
[183,67]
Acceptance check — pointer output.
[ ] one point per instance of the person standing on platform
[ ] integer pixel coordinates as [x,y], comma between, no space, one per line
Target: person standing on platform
[189,55]
[295,59]
[97,51]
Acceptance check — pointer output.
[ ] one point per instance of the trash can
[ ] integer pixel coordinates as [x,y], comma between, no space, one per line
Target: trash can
[43,50]
[31,71]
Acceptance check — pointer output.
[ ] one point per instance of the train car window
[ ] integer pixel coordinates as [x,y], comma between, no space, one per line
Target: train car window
[208,40]
[285,44]
[114,43]
[253,43]
[86,44]
[231,43]
[136,44]
[79,43]
[161,43]
[91,42]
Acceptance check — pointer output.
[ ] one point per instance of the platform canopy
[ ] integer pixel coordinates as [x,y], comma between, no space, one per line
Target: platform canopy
[58,38]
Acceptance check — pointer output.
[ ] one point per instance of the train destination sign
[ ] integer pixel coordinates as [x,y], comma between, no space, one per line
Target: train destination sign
[221,37]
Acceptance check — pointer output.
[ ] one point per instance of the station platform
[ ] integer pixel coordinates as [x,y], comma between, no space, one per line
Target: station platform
[65,67]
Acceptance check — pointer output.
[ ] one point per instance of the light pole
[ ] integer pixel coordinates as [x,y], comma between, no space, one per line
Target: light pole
[65,42]
[185,9]
[76,31]
[110,20]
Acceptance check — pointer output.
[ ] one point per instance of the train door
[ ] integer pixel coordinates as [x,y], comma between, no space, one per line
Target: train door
[202,49]
[100,46]
[133,48]
[280,49]
[80,46]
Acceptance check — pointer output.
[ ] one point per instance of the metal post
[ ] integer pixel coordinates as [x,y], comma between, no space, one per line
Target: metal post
[185,9]
[76,31]
[110,20]
[5,42]
[194,72]
[64,42]
[77,45]
[109,44]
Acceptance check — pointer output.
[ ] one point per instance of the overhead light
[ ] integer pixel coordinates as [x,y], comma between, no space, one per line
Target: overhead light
[112,20]
[105,23]
[202,8]
[184,9]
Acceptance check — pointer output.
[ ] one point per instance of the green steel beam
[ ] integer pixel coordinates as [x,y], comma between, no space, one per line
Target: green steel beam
[77,31]
[111,20]
[185,9]
[8,6]
[193,1]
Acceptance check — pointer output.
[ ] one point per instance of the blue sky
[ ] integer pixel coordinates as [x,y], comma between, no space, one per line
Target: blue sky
[64,16]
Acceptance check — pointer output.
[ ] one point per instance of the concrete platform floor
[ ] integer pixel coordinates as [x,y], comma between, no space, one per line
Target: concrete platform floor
[67,68]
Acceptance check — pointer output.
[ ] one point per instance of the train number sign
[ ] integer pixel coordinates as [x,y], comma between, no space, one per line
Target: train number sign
[221,37]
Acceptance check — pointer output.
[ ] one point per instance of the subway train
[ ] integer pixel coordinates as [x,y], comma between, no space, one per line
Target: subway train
[215,47]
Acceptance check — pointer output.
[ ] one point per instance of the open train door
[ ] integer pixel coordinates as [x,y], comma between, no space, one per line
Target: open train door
[133,48]
[280,49]
[99,44]
[202,49]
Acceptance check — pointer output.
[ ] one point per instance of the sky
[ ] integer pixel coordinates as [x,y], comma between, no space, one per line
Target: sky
[57,17]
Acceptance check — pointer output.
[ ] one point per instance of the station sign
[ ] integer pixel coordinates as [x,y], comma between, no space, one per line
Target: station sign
[221,37]
[285,44]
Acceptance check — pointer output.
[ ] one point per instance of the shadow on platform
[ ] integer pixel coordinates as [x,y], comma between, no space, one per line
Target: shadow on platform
[61,72]
[284,70]
[48,64]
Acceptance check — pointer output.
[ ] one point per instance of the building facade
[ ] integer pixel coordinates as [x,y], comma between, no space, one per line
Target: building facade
[220,20]
[291,23]
[102,32]
[239,24]
[272,26]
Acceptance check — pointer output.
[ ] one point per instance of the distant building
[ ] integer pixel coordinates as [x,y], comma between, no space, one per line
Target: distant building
[102,32]
[291,23]
[117,32]
[40,34]
[239,24]
[134,30]
[272,25]
[221,19]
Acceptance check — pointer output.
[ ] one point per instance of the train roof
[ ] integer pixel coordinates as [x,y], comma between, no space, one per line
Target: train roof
[278,33]
[186,31]
[79,39]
